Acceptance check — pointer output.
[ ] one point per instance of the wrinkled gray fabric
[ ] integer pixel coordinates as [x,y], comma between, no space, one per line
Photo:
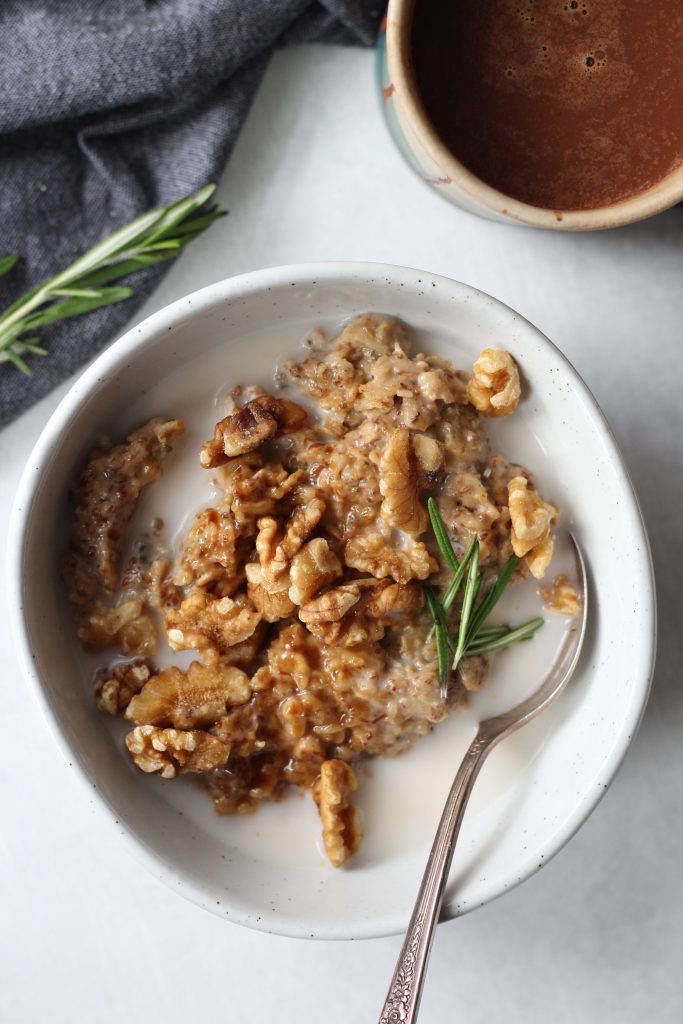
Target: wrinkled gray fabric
[111,107]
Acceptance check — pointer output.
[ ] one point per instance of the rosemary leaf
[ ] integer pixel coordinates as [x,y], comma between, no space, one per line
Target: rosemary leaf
[20,303]
[438,614]
[179,212]
[31,345]
[471,587]
[9,337]
[492,598]
[77,305]
[441,638]
[198,224]
[492,632]
[164,246]
[454,586]
[71,293]
[442,660]
[513,636]
[8,263]
[442,538]
[116,271]
[20,364]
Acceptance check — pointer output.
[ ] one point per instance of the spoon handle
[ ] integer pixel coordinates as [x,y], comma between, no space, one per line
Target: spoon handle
[403,999]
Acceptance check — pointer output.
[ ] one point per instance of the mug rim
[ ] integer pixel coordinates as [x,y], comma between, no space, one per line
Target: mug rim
[658,197]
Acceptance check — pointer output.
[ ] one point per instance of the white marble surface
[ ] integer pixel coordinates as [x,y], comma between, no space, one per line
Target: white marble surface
[597,936]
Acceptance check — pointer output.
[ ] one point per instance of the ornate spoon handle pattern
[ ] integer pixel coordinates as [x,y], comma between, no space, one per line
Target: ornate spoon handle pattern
[403,999]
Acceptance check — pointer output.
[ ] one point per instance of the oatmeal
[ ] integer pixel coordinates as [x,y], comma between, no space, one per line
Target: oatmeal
[561,596]
[300,591]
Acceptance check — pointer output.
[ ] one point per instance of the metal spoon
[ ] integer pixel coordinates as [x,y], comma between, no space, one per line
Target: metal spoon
[403,999]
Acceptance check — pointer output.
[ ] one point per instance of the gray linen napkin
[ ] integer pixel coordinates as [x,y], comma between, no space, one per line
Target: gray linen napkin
[111,107]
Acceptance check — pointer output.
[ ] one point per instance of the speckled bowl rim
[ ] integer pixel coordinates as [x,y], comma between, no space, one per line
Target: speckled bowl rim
[664,194]
[135,340]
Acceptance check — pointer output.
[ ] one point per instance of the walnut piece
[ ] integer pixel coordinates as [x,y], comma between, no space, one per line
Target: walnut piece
[189,700]
[394,604]
[270,597]
[494,389]
[255,488]
[342,832]
[561,596]
[242,655]
[531,519]
[333,606]
[540,556]
[169,751]
[530,515]
[266,540]
[114,692]
[369,551]
[260,420]
[210,624]
[398,485]
[125,625]
[359,612]
[300,526]
[268,583]
[312,568]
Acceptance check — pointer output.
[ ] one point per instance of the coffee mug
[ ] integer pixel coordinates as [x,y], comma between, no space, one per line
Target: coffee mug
[432,161]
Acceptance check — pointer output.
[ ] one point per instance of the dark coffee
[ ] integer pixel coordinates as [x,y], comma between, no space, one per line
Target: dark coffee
[564,104]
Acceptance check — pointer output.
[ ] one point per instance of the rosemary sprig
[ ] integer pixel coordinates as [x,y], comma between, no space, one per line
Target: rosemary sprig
[472,637]
[149,239]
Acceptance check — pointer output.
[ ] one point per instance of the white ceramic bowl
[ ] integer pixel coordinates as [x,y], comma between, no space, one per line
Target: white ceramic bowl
[265,870]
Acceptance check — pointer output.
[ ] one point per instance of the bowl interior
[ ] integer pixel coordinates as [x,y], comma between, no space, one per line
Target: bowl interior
[265,870]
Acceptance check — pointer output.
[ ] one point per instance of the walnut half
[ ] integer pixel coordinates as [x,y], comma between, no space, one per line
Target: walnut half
[312,568]
[169,751]
[399,486]
[360,611]
[494,389]
[115,689]
[191,700]
[125,625]
[531,519]
[210,625]
[261,419]
[342,831]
